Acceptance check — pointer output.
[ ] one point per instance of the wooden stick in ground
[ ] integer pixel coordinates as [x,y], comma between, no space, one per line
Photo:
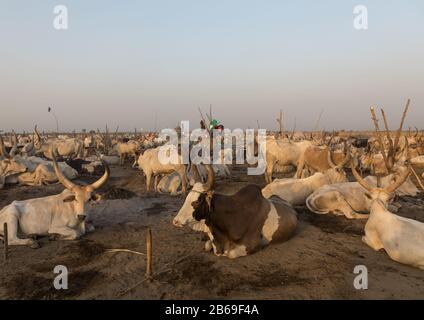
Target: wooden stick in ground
[149,254]
[280,123]
[401,124]
[389,138]
[380,140]
[6,242]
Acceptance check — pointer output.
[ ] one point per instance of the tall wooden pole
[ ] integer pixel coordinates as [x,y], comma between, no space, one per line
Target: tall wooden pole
[6,242]
[149,254]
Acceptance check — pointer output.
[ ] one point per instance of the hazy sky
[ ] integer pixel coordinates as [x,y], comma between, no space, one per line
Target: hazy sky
[120,62]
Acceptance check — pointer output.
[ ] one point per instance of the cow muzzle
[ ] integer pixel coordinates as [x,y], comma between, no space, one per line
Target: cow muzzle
[177,223]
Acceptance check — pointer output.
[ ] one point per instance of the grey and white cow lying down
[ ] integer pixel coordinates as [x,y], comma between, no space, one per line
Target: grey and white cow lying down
[239,224]
[63,214]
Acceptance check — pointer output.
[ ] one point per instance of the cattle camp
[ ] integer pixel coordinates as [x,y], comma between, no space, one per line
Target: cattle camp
[220,151]
[107,207]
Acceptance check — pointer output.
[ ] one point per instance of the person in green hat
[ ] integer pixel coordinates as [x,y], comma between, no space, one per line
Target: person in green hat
[214,123]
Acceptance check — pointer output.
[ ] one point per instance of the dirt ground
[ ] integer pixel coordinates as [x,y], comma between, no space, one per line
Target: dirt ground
[317,263]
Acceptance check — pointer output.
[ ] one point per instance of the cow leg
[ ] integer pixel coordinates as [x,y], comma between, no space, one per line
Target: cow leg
[208,246]
[183,176]
[300,166]
[66,233]
[268,172]
[148,178]
[12,229]
[238,251]
[372,240]
[155,185]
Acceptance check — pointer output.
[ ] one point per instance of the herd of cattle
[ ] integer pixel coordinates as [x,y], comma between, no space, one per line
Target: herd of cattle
[238,222]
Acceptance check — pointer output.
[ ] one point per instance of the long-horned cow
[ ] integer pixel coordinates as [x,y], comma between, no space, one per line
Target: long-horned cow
[296,191]
[401,238]
[239,224]
[63,214]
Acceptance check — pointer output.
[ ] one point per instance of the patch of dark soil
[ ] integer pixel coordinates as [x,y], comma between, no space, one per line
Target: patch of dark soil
[72,255]
[156,208]
[202,274]
[34,287]
[118,193]
[331,223]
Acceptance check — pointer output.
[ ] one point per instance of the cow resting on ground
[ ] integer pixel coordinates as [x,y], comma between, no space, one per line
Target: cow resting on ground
[401,238]
[349,198]
[63,214]
[239,224]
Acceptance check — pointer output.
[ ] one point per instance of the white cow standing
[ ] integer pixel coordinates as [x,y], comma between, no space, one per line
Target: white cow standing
[63,214]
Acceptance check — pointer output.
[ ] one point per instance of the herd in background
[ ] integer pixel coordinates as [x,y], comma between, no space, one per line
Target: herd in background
[238,222]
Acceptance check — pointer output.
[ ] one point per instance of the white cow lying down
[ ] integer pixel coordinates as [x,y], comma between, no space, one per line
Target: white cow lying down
[63,214]
[295,191]
[171,183]
[401,238]
[350,198]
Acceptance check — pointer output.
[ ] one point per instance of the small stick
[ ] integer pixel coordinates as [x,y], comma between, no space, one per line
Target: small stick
[6,242]
[149,254]
[380,139]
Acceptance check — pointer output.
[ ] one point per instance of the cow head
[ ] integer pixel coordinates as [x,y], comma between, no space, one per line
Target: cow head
[8,165]
[80,196]
[385,194]
[194,201]
[203,206]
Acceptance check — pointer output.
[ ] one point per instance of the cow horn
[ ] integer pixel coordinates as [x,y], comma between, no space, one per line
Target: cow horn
[211,177]
[358,177]
[417,178]
[62,179]
[402,178]
[399,181]
[37,135]
[102,180]
[330,161]
[195,173]
[15,144]
[3,148]
[347,155]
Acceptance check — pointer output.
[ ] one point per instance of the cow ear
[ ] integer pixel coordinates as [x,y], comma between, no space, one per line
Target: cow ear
[96,197]
[69,198]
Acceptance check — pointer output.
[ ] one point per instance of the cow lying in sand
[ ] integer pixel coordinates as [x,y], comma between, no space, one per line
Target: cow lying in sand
[63,214]
[239,224]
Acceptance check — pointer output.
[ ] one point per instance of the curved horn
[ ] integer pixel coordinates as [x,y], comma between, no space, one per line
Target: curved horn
[330,161]
[62,179]
[399,181]
[15,144]
[102,180]
[347,154]
[211,178]
[358,177]
[402,178]
[195,173]
[3,148]
[417,178]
